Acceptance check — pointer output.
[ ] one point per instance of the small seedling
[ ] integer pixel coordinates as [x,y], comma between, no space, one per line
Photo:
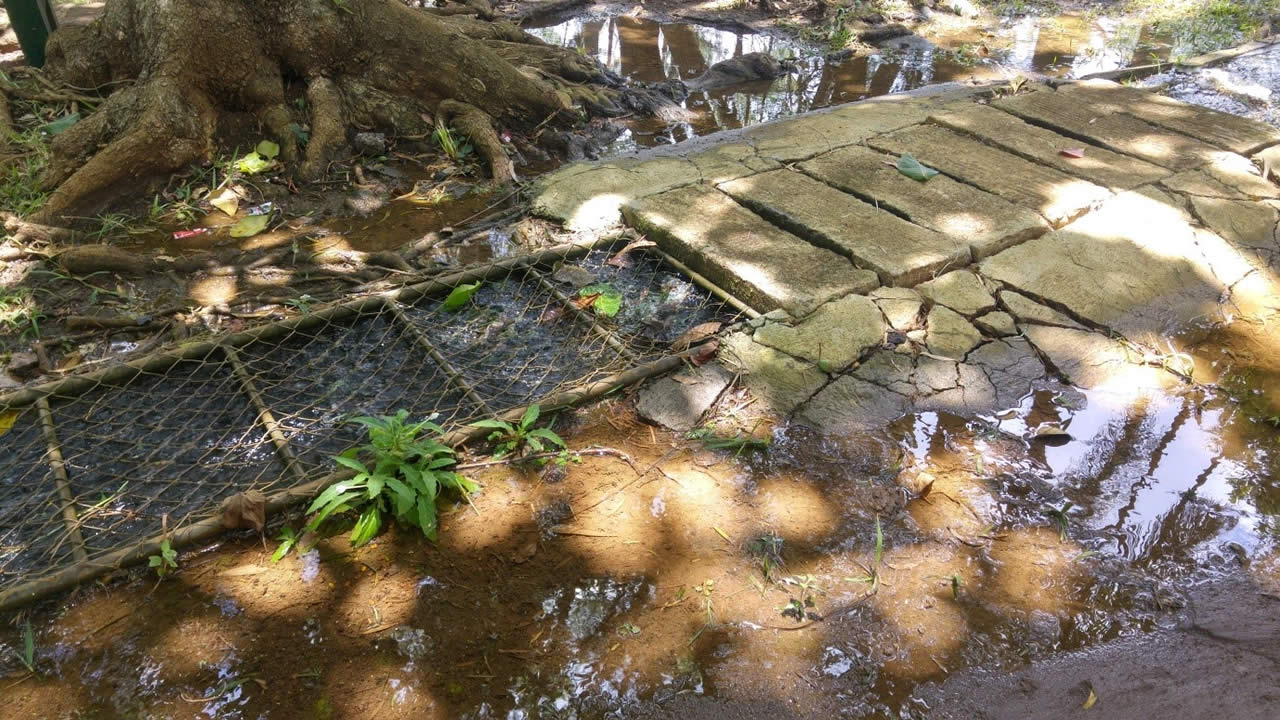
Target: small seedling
[27,656]
[521,437]
[302,304]
[767,550]
[627,630]
[704,590]
[872,576]
[452,148]
[1060,516]
[166,561]
[288,538]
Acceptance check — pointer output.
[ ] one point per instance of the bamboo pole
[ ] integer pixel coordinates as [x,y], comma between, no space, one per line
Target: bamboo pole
[453,374]
[265,416]
[62,480]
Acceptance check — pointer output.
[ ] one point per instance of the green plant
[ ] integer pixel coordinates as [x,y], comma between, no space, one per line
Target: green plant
[20,192]
[288,539]
[166,561]
[767,550]
[302,303]
[872,574]
[522,436]
[738,443]
[451,146]
[1060,516]
[27,655]
[408,474]
[19,312]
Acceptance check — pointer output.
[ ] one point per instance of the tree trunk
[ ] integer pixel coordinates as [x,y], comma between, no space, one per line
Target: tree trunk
[179,68]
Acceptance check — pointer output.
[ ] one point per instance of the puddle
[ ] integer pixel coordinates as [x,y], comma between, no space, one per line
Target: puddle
[731,577]
[1248,86]
[649,51]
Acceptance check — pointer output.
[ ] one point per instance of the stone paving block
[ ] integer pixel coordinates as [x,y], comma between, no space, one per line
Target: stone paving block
[1008,132]
[764,266]
[1230,132]
[986,222]
[1228,176]
[1135,265]
[959,290]
[1027,310]
[776,378]
[949,334]
[901,306]
[590,197]
[900,252]
[833,336]
[806,136]
[1110,128]
[1052,193]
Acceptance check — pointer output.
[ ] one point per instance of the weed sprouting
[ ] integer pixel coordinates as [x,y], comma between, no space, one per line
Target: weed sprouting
[520,437]
[1060,516]
[19,313]
[27,655]
[166,561]
[767,550]
[872,574]
[454,149]
[408,474]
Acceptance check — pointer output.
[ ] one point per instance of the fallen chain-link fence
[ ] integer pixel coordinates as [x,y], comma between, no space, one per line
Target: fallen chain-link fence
[95,468]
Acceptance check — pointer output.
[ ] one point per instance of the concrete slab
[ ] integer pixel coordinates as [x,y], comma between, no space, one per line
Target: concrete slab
[806,136]
[766,267]
[590,197]
[1008,132]
[986,222]
[1226,176]
[1054,194]
[901,306]
[959,290]
[1110,128]
[1229,132]
[949,334]
[779,380]
[1135,265]
[679,401]
[1026,310]
[833,336]
[900,252]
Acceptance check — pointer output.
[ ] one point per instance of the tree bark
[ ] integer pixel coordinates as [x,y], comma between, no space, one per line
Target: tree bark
[179,68]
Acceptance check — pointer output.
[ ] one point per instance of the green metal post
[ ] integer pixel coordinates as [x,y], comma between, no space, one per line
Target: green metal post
[32,20]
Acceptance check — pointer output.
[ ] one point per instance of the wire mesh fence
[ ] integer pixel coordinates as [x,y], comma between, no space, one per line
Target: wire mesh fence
[96,463]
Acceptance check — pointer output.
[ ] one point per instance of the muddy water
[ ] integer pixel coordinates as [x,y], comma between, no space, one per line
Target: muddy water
[648,51]
[1248,86]
[695,582]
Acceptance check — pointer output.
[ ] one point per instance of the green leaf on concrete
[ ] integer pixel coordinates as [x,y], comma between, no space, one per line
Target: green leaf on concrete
[267,149]
[62,124]
[911,167]
[608,298]
[460,296]
[249,226]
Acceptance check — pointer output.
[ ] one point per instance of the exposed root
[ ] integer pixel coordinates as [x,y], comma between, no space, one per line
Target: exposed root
[478,127]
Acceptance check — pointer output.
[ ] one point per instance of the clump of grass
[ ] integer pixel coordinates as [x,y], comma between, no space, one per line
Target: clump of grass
[871,574]
[19,313]
[767,550]
[20,191]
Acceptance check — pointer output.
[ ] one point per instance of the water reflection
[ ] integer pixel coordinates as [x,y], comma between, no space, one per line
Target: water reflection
[648,51]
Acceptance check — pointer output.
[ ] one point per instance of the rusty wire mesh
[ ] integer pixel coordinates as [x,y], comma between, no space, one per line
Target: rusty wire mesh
[96,462]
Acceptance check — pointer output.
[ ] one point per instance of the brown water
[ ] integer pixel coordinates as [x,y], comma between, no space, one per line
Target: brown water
[649,51]
[692,574]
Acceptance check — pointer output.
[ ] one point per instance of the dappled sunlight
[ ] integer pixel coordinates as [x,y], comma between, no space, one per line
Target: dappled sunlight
[214,290]
[1033,569]
[798,510]
[916,600]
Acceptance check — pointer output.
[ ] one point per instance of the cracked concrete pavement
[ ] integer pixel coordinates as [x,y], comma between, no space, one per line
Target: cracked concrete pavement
[1017,267]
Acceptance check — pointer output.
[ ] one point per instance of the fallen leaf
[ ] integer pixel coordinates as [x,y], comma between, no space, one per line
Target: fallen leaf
[573,275]
[460,296]
[695,335]
[253,163]
[925,483]
[267,149]
[1091,700]
[1074,153]
[525,552]
[227,201]
[70,361]
[7,420]
[62,124]
[584,301]
[607,301]
[1051,434]
[620,259]
[914,169]
[704,353]
[245,510]
[250,225]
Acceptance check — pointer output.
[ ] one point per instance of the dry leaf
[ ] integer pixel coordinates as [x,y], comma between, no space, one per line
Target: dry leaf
[583,302]
[1091,700]
[227,201]
[7,420]
[1051,434]
[525,552]
[695,334]
[620,260]
[704,353]
[69,361]
[245,510]
[1075,153]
